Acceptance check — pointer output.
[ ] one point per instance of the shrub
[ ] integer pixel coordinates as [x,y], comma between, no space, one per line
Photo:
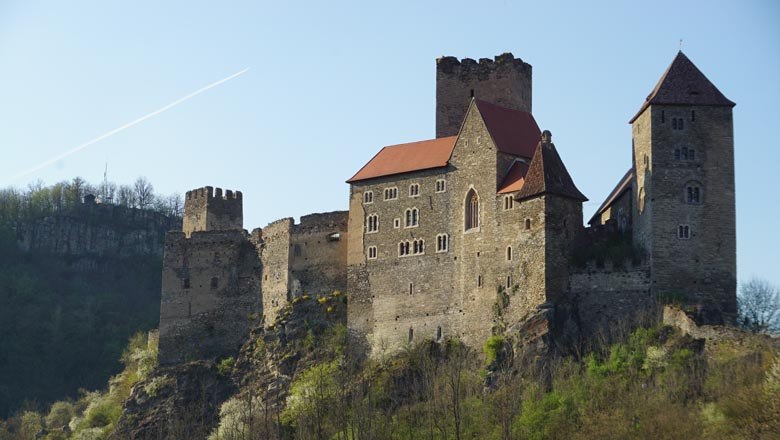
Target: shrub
[225,366]
[493,348]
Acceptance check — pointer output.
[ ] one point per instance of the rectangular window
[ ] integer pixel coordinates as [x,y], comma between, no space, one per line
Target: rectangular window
[414,190]
[441,186]
[368,197]
[683,232]
[397,223]
[479,280]
[391,193]
[372,253]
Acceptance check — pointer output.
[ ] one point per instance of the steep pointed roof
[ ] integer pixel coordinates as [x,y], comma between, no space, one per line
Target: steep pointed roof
[513,131]
[684,84]
[515,178]
[547,174]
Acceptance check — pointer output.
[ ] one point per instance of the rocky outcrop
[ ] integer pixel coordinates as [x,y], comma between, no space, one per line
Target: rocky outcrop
[98,230]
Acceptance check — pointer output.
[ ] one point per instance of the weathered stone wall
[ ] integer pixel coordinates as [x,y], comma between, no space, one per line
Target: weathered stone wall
[97,230]
[207,209]
[505,81]
[620,211]
[703,267]
[319,253]
[210,294]
[611,299]
[276,261]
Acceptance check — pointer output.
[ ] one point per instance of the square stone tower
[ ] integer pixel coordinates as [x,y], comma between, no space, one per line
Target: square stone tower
[505,81]
[684,205]
[208,210]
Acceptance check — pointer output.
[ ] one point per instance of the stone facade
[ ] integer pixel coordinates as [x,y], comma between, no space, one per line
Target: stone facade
[208,210]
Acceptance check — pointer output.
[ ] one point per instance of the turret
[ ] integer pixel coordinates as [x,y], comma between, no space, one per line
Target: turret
[207,209]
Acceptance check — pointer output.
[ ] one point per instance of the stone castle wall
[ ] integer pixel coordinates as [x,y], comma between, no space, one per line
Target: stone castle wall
[276,259]
[210,294]
[505,81]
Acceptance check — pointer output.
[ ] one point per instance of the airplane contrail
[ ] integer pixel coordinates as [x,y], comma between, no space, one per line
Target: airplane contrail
[126,126]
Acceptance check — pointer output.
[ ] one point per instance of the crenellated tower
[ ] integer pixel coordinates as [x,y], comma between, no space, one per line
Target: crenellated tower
[505,81]
[207,209]
[684,205]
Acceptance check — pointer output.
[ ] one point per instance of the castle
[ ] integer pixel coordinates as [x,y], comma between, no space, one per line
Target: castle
[476,232]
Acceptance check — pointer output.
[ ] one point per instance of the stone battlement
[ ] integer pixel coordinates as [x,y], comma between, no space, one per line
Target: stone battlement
[449,64]
[208,192]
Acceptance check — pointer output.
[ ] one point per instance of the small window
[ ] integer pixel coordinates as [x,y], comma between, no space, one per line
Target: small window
[693,194]
[479,280]
[683,232]
[411,288]
[368,197]
[441,186]
[509,253]
[397,223]
[372,253]
[509,202]
[414,190]
[677,123]
[372,223]
[509,281]
[411,335]
[335,236]
[214,282]
[403,248]
[442,242]
[438,334]
[663,116]
[412,218]
[528,223]
[186,283]
[391,193]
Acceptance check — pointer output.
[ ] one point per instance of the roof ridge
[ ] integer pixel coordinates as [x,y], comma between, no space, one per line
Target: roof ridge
[547,174]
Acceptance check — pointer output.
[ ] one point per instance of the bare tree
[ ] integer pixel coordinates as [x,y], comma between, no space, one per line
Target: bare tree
[144,192]
[759,306]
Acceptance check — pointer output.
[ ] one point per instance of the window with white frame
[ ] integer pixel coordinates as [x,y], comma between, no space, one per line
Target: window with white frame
[391,193]
[372,223]
[441,185]
[684,232]
[412,216]
[368,197]
[414,190]
[442,243]
[397,223]
[372,253]
[693,194]
[509,202]
[414,247]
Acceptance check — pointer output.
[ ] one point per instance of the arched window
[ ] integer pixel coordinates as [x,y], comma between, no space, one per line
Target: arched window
[442,242]
[368,197]
[372,223]
[509,202]
[509,253]
[472,210]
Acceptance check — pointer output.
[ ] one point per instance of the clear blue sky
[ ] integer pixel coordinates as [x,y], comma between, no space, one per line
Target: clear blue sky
[331,82]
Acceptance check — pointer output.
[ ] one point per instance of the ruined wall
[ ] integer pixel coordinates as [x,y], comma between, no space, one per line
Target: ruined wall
[210,294]
[97,230]
[611,299]
[207,209]
[276,261]
[319,253]
[505,81]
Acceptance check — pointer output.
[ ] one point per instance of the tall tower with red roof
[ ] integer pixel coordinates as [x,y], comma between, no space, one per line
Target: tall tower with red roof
[684,204]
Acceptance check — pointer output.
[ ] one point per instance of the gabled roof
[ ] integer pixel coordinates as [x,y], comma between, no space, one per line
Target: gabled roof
[513,131]
[514,178]
[684,84]
[623,185]
[404,158]
[547,174]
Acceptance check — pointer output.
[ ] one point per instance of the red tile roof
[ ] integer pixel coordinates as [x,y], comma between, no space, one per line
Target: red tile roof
[548,175]
[514,178]
[684,84]
[513,131]
[623,185]
[404,158]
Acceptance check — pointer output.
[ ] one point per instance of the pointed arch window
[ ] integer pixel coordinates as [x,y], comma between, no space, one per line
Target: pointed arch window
[472,210]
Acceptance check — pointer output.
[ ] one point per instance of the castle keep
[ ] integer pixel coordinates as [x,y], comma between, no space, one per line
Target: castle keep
[478,231]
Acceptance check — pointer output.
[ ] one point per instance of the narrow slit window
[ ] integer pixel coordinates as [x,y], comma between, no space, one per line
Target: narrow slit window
[509,253]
